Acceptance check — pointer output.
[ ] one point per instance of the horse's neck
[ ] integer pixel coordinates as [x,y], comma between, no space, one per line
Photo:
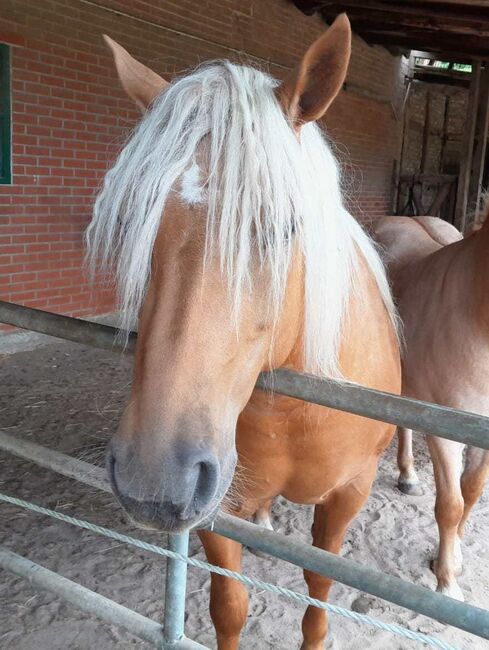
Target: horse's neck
[366,326]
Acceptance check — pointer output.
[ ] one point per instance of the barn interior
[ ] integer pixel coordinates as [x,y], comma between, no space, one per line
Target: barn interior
[442,165]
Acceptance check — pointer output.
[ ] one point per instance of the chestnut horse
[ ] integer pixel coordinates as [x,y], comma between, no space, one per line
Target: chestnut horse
[224,218]
[440,283]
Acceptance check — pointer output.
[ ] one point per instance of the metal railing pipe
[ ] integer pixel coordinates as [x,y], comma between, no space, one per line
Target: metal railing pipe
[419,599]
[83,598]
[55,461]
[175,591]
[461,426]
[65,327]
[453,424]
[89,601]
[174,615]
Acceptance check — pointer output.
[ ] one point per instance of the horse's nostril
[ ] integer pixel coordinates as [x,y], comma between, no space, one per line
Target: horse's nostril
[188,485]
[205,488]
[204,482]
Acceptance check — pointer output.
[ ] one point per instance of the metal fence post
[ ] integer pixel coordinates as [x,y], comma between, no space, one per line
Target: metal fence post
[176,579]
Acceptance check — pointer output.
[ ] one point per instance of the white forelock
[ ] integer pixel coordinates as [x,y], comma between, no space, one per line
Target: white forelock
[265,189]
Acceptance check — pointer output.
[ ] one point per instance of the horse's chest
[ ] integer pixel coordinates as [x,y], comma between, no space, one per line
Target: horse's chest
[307,454]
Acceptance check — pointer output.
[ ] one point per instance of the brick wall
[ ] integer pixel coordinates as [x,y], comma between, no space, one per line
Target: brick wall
[70,117]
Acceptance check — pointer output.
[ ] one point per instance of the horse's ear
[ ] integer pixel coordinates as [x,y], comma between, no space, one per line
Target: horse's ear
[140,83]
[311,87]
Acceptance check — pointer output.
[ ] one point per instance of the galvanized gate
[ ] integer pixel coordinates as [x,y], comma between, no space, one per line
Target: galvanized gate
[448,423]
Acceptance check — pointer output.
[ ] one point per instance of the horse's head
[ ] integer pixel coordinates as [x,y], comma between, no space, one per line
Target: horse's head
[210,253]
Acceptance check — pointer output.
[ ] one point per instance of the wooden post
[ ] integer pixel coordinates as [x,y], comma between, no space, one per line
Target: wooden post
[403,145]
[444,135]
[467,148]
[480,144]
[426,133]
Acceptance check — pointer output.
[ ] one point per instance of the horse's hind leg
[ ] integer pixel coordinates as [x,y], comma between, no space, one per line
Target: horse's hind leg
[408,481]
[331,521]
[449,506]
[472,482]
[229,598]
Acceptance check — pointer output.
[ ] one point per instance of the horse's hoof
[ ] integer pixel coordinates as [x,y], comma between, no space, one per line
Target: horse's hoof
[453,591]
[412,489]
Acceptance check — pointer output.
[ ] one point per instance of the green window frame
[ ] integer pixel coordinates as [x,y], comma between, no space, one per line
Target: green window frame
[5,117]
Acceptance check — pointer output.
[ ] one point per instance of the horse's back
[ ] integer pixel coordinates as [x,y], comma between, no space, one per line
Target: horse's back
[409,239]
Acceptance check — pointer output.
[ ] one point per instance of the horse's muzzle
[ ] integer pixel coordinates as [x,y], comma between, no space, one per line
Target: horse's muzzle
[171,495]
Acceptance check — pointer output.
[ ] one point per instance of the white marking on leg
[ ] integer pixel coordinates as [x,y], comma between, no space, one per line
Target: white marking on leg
[263,520]
[457,555]
[452,590]
[412,479]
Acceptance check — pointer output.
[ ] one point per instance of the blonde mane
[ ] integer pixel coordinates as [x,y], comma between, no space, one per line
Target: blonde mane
[265,190]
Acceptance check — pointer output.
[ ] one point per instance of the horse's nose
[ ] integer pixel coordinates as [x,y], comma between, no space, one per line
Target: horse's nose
[171,493]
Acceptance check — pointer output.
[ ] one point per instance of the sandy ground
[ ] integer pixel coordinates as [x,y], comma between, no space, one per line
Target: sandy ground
[69,398]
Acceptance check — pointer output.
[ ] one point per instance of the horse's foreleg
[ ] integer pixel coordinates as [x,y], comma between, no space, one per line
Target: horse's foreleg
[449,506]
[408,481]
[472,482]
[229,599]
[331,521]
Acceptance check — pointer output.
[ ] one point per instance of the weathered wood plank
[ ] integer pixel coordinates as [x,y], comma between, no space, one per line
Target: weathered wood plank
[426,133]
[381,14]
[480,145]
[467,149]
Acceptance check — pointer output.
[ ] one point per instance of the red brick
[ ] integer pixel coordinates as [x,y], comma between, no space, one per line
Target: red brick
[70,115]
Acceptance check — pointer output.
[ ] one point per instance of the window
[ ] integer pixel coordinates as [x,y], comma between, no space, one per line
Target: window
[442,65]
[5,136]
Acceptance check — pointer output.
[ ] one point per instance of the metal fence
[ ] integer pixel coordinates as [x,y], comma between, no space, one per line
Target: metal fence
[415,414]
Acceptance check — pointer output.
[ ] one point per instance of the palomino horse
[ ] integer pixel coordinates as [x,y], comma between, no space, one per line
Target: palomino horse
[223,216]
[440,282]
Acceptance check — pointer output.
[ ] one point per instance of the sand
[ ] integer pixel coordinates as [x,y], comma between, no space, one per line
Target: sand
[69,397]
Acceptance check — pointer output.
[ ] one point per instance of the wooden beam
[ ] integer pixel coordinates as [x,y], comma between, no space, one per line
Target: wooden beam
[467,149]
[462,29]
[442,193]
[426,27]
[444,133]
[426,133]
[480,145]
[407,15]
[432,75]
[311,6]
[481,4]
[460,48]
[402,141]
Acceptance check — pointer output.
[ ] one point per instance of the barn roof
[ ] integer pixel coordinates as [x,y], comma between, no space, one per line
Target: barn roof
[449,28]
